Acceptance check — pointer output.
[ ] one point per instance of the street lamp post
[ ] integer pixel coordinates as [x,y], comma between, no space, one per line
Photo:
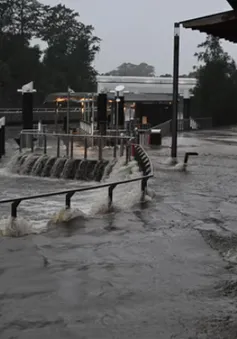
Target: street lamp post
[119,90]
[175,91]
[27,111]
[69,92]
[68,110]
[92,118]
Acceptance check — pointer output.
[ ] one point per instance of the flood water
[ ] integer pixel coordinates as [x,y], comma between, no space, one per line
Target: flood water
[166,269]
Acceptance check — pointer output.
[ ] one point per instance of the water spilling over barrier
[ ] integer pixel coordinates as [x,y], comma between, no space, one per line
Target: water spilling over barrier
[96,169]
[48,166]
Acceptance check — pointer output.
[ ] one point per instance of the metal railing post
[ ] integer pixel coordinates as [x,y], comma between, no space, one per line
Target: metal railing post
[85,148]
[121,147]
[20,146]
[67,146]
[45,142]
[58,146]
[14,206]
[100,156]
[129,151]
[115,151]
[71,155]
[1,143]
[68,199]
[3,140]
[127,156]
[30,136]
[111,188]
[144,189]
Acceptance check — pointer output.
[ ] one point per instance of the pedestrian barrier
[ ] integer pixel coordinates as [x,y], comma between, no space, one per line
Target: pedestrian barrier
[15,202]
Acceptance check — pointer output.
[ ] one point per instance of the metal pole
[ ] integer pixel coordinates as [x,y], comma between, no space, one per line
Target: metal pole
[116,117]
[100,149]
[56,118]
[31,142]
[20,146]
[68,118]
[58,147]
[1,141]
[71,145]
[92,120]
[67,145]
[68,110]
[45,140]
[85,148]
[3,136]
[175,90]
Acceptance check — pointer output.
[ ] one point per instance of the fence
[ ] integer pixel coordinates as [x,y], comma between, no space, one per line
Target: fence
[38,110]
[2,137]
[69,193]
[14,116]
[185,125]
[194,124]
[143,132]
[35,139]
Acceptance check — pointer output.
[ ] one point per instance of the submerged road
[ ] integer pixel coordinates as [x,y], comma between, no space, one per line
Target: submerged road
[166,270]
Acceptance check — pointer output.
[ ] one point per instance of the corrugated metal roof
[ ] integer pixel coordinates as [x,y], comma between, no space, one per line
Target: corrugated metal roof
[142,80]
[222,25]
[142,85]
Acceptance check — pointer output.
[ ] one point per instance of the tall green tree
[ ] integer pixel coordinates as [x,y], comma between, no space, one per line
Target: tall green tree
[129,69]
[66,61]
[215,92]
[21,17]
[71,50]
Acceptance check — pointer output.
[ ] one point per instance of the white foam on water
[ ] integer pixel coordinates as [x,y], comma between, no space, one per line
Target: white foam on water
[18,227]
[125,196]
[65,215]
[170,166]
[181,167]
[48,211]
[169,161]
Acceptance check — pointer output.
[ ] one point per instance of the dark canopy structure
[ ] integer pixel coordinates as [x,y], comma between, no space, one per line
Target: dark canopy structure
[222,25]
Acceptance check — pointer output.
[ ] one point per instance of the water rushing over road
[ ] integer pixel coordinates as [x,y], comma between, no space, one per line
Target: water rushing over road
[163,270]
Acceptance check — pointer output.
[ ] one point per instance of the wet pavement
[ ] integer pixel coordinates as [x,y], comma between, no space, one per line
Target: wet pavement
[166,269]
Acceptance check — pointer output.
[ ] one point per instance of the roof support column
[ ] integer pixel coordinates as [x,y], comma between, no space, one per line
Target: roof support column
[175,91]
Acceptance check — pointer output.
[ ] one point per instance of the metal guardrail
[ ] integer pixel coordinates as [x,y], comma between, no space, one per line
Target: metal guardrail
[185,125]
[28,138]
[194,124]
[15,202]
[38,110]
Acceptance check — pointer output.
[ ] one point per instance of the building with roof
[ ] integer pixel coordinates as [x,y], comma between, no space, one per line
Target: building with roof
[151,96]
[144,88]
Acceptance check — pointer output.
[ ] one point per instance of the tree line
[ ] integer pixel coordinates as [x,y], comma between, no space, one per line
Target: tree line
[215,92]
[66,60]
[69,49]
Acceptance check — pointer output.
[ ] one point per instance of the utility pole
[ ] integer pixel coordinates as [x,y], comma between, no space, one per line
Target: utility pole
[175,91]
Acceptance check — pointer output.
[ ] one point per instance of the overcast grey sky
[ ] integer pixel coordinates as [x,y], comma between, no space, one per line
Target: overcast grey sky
[142,30]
